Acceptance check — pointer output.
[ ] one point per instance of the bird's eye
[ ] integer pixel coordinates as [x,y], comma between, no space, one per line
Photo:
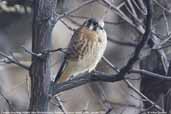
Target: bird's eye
[95,24]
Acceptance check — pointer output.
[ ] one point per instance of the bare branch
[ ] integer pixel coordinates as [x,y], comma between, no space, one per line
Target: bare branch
[163,7]
[122,15]
[110,64]
[11,107]
[140,6]
[84,79]
[69,27]
[141,44]
[60,105]
[124,105]
[106,22]
[142,95]
[132,87]
[166,40]
[122,43]
[166,22]
[75,9]
[32,53]
[151,74]
[11,60]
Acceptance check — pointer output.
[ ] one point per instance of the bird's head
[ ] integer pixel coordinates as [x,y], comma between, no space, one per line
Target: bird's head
[94,24]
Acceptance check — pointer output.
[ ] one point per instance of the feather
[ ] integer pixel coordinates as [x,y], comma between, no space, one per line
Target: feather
[60,71]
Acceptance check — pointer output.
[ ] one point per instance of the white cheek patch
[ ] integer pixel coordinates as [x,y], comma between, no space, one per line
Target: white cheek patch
[91,27]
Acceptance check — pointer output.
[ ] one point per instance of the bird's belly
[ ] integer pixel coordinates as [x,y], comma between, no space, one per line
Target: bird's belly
[91,59]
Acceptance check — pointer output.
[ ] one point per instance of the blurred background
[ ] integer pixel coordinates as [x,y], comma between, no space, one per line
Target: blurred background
[16,33]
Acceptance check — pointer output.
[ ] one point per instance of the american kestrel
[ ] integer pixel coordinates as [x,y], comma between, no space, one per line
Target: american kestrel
[85,50]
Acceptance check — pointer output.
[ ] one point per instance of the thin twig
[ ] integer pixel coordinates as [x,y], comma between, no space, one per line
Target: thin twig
[163,47]
[141,44]
[122,15]
[131,86]
[140,6]
[11,60]
[163,7]
[142,95]
[166,40]
[124,105]
[146,110]
[69,27]
[63,50]
[110,64]
[32,53]
[122,43]
[166,22]
[75,9]
[151,74]
[106,22]
[11,107]
[60,105]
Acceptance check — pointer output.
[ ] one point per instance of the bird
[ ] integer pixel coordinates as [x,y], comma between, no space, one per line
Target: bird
[85,50]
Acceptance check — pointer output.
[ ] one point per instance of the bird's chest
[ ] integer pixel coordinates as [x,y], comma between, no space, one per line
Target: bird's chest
[94,52]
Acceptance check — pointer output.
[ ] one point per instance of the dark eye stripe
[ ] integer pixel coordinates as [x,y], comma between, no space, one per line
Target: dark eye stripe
[94,23]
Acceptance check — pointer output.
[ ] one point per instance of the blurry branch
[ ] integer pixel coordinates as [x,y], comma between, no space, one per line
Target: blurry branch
[139,71]
[44,52]
[166,40]
[110,64]
[85,109]
[163,47]
[151,74]
[124,105]
[132,10]
[160,44]
[69,27]
[130,85]
[73,10]
[138,26]
[166,22]
[141,44]
[60,105]
[106,22]
[11,107]
[12,60]
[122,43]
[32,53]
[121,14]
[163,7]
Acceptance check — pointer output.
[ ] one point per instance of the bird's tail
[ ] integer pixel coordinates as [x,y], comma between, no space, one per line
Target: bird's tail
[60,71]
[64,72]
[64,76]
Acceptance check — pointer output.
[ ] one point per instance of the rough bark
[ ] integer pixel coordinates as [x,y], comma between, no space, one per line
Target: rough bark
[40,70]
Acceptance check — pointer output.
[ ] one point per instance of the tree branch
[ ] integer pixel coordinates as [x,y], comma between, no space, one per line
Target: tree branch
[73,10]
[142,95]
[11,60]
[122,43]
[140,46]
